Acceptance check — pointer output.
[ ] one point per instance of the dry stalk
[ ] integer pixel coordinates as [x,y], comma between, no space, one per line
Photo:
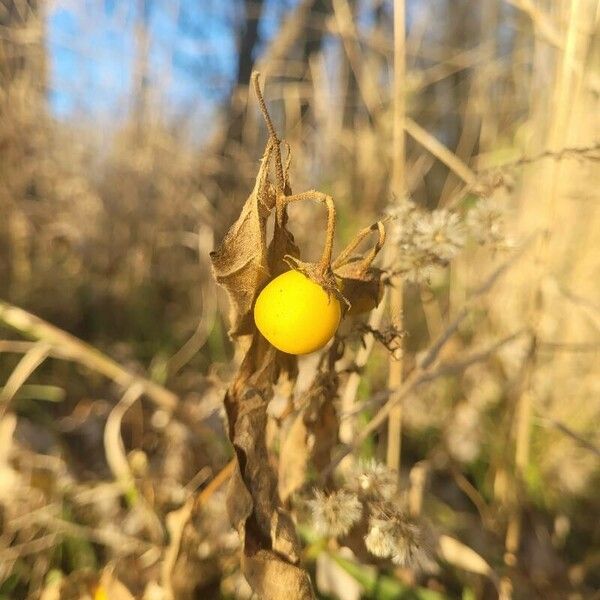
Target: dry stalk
[441,152]
[425,371]
[396,363]
[32,359]
[368,87]
[78,351]
[347,425]
[565,94]
[324,264]
[116,458]
[273,138]
[178,519]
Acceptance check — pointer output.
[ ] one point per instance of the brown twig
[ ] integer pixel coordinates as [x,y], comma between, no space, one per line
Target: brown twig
[272,132]
[177,520]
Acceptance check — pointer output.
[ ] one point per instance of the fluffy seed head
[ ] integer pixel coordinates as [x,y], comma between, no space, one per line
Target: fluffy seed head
[392,535]
[441,233]
[334,514]
[374,480]
[380,538]
[486,221]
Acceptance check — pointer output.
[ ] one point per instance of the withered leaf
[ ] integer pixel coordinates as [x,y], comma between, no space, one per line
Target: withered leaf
[312,435]
[240,263]
[274,579]
[270,549]
[293,458]
[364,290]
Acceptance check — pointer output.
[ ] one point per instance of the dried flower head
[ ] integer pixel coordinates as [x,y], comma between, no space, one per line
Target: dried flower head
[380,538]
[334,514]
[485,222]
[426,239]
[374,480]
[393,535]
[403,214]
[440,233]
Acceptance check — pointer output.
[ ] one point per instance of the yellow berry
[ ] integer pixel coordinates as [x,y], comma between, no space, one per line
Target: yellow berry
[100,593]
[296,314]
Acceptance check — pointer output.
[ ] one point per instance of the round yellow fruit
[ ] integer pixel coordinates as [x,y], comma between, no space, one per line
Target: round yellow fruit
[100,593]
[296,314]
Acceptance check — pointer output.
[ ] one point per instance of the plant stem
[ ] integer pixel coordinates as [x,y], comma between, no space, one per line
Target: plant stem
[398,189]
[272,133]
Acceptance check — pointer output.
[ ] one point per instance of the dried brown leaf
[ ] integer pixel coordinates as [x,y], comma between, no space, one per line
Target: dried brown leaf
[293,459]
[274,579]
[271,550]
[240,263]
[313,433]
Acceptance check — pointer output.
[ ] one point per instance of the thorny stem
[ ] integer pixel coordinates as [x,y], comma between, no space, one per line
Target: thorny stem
[324,264]
[272,133]
[566,152]
[482,187]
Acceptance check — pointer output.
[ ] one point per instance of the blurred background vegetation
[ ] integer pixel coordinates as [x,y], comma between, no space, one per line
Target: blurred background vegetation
[128,143]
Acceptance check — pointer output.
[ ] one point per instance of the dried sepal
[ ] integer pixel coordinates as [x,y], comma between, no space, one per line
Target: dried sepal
[356,264]
[361,282]
[326,279]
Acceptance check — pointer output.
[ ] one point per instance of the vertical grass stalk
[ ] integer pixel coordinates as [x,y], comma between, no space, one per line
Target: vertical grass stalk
[398,189]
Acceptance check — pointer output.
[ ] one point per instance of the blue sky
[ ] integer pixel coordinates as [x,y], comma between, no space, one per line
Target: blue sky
[192,57]
[92,50]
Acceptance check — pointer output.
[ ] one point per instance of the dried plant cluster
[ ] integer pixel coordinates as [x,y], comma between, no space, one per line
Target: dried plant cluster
[243,263]
[146,453]
[427,240]
[370,501]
